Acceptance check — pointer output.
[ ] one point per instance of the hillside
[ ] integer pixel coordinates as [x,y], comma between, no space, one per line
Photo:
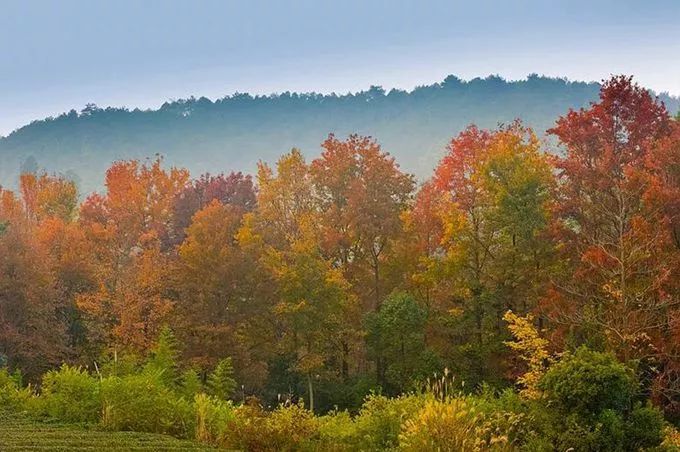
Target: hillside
[234,132]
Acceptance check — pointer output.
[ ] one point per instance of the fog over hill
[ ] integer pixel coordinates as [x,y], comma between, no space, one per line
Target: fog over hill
[234,132]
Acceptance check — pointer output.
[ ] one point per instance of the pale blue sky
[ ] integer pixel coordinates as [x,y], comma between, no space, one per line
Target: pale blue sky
[58,55]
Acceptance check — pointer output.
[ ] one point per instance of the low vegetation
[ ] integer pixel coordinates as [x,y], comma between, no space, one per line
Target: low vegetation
[585,400]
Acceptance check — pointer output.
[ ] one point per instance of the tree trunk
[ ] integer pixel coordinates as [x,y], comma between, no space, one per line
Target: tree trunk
[310,387]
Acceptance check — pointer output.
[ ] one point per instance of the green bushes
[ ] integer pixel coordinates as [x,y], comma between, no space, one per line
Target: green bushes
[221,383]
[587,382]
[586,401]
[380,420]
[337,432]
[590,402]
[143,403]
[12,396]
[71,394]
[213,418]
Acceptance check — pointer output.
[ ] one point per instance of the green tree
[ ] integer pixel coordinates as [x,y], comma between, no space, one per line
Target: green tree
[396,333]
[164,356]
[221,382]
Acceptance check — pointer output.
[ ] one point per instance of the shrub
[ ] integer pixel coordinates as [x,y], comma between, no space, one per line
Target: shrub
[190,384]
[454,424]
[380,419]
[12,396]
[213,418]
[290,427]
[590,404]
[645,427]
[248,429]
[336,432]
[588,382]
[71,394]
[143,403]
[163,358]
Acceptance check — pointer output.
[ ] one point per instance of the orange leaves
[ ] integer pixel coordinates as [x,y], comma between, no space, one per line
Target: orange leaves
[140,197]
[596,256]
[48,196]
[361,193]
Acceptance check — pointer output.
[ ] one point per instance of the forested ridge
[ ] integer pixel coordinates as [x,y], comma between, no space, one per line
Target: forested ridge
[235,132]
[524,296]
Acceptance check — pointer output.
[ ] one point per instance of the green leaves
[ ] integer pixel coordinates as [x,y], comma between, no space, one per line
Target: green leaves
[221,383]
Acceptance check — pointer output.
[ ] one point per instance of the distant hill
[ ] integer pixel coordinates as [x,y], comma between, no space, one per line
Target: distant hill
[234,132]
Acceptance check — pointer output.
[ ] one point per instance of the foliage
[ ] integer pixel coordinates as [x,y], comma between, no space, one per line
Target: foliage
[143,403]
[12,396]
[71,394]
[588,382]
[396,333]
[291,426]
[190,384]
[591,400]
[454,424]
[164,355]
[221,383]
[531,348]
[337,432]
[213,419]
[380,419]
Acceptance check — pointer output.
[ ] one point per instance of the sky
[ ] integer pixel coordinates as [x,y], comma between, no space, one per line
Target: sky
[59,55]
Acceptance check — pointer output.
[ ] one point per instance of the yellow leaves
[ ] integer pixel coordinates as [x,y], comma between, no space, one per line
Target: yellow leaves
[455,424]
[455,312]
[531,348]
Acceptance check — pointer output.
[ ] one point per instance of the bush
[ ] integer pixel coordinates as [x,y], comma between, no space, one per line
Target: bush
[645,427]
[71,394]
[213,418]
[590,404]
[221,383]
[380,419]
[454,424]
[336,432]
[588,382]
[288,428]
[248,430]
[12,396]
[190,384]
[143,403]
[291,426]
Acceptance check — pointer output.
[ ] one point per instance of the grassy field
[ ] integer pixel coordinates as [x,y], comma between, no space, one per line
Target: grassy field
[20,434]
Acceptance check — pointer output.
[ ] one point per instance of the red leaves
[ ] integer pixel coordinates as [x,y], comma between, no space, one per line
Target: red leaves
[616,215]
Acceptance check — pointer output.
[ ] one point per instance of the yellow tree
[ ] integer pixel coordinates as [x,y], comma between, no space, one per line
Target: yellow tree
[311,298]
[222,309]
[496,188]
[32,328]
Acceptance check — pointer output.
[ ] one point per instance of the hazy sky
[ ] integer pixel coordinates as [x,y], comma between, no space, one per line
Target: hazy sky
[58,55]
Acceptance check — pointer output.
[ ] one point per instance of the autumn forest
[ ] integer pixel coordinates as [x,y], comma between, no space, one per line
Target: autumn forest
[525,296]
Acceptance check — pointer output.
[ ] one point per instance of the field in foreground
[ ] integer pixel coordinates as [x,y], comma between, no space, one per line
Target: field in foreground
[20,434]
